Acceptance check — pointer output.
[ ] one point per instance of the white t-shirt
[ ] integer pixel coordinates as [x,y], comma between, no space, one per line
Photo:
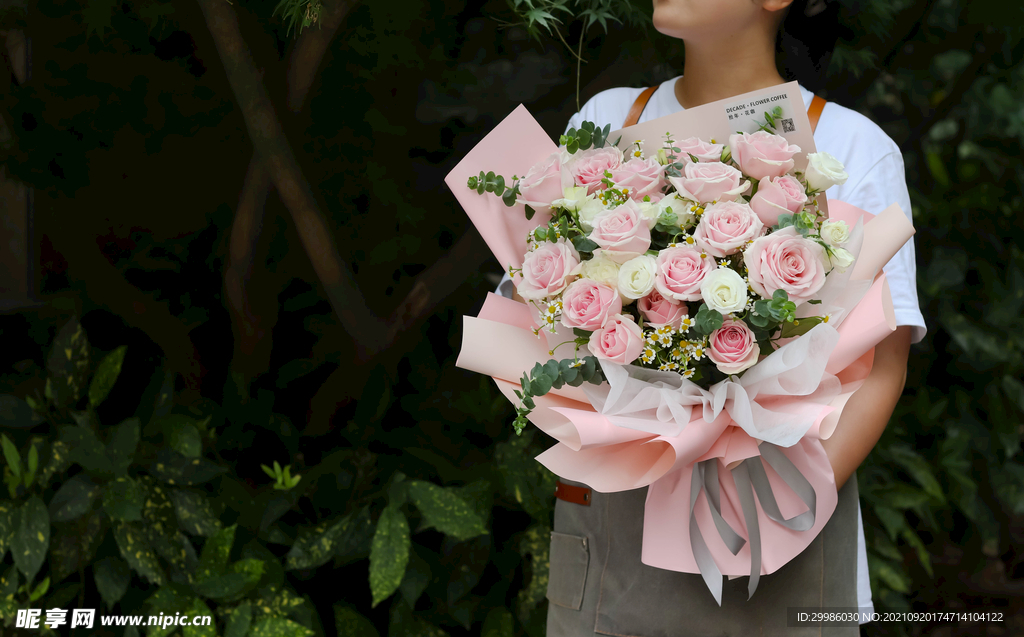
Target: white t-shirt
[877,180]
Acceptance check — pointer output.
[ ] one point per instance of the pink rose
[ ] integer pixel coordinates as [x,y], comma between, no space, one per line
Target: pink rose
[703,151]
[681,270]
[762,154]
[643,177]
[725,227]
[659,310]
[587,304]
[732,347]
[709,182]
[622,229]
[547,269]
[542,183]
[619,341]
[777,196]
[784,260]
[588,166]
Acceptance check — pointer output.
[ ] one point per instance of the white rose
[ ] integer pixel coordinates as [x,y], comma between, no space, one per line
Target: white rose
[824,171]
[649,211]
[835,233]
[602,270]
[841,259]
[637,276]
[724,290]
[589,211]
[574,199]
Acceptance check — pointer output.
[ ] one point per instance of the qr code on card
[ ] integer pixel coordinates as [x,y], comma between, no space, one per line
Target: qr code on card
[787,125]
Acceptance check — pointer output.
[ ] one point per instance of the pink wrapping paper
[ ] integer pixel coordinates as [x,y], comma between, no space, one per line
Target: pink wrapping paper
[617,450]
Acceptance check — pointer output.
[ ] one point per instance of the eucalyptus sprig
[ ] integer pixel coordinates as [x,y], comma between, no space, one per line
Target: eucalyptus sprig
[553,374]
[588,136]
[490,182]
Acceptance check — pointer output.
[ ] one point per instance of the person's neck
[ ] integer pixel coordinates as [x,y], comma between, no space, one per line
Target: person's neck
[713,72]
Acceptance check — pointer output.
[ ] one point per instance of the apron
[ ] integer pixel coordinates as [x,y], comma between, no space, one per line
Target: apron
[599,586]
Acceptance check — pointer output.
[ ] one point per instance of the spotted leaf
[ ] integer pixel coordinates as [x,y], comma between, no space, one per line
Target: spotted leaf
[445,510]
[137,552]
[195,513]
[32,537]
[106,375]
[389,553]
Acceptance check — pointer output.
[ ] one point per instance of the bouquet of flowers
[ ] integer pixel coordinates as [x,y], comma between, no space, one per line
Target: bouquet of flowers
[719,320]
[634,242]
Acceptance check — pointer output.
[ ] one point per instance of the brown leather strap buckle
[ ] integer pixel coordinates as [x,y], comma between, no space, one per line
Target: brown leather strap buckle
[570,493]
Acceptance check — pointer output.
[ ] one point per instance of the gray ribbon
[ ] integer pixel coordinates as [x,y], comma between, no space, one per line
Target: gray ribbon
[750,478]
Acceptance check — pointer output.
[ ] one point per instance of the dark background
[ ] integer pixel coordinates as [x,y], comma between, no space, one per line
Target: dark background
[144,212]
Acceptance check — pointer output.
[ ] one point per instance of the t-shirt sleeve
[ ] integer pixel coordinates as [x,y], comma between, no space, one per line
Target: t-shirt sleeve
[881,186]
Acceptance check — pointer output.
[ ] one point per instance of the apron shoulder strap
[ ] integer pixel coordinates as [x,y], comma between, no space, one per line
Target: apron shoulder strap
[814,112]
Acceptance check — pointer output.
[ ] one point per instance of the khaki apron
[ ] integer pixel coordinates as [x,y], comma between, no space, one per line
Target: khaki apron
[599,586]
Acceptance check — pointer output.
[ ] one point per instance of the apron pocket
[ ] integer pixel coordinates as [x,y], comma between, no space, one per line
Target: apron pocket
[570,557]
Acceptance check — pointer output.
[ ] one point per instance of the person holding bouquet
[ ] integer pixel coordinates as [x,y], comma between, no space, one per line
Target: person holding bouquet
[733,47]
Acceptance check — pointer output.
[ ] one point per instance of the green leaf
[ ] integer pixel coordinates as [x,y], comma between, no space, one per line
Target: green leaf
[219,587]
[112,577]
[106,375]
[238,621]
[87,451]
[60,460]
[919,469]
[535,544]
[15,412]
[11,455]
[73,546]
[355,537]
[214,558]
[530,212]
[200,609]
[68,364]
[349,623]
[7,526]
[32,538]
[416,578]
[498,623]
[799,327]
[316,545]
[173,468]
[159,526]
[195,512]
[389,553]
[183,437]
[123,499]
[74,498]
[137,552]
[122,445]
[279,627]
[445,510]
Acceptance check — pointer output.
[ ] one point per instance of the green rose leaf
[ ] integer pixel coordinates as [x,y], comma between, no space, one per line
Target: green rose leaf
[445,511]
[123,499]
[32,538]
[799,327]
[112,577]
[389,553]
[106,375]
[195,513]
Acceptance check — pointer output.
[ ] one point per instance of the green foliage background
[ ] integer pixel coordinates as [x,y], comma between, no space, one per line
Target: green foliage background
[417,511]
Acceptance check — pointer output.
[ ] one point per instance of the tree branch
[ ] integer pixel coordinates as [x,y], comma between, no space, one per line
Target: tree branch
[276,155]
[250,331]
